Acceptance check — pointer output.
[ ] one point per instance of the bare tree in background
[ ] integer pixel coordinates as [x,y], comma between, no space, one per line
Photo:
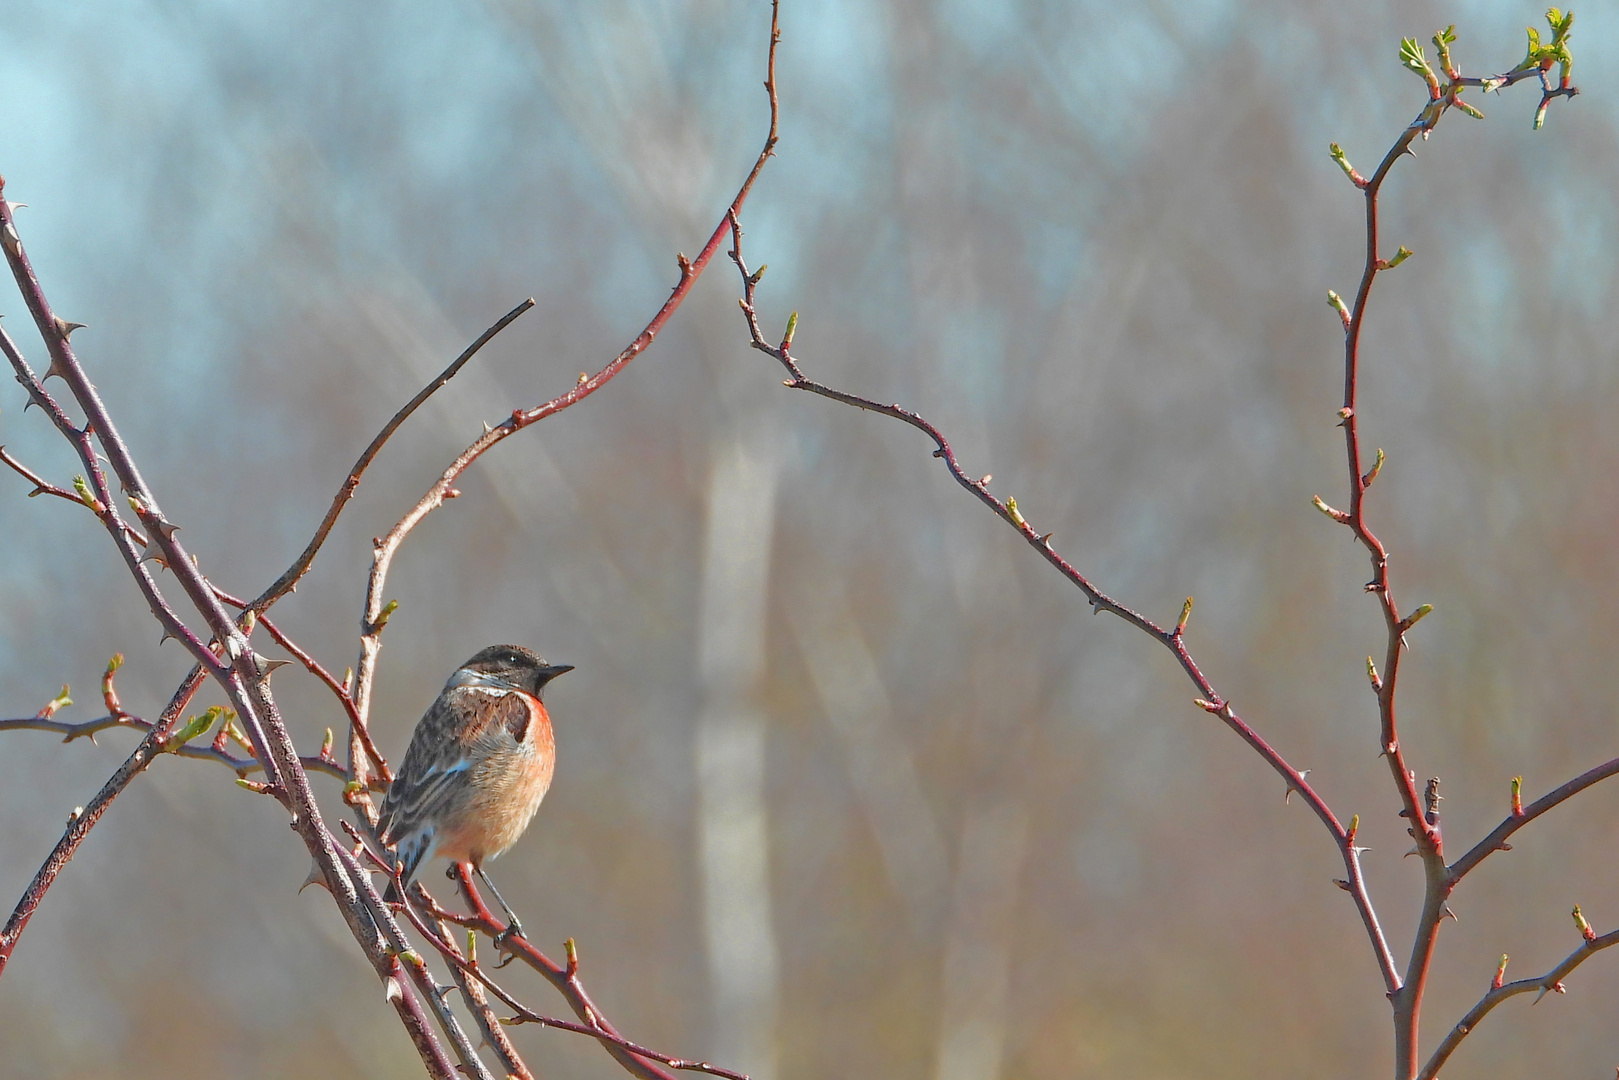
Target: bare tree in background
[250,737]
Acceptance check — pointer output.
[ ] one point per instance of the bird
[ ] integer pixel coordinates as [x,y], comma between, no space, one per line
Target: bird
[478,764]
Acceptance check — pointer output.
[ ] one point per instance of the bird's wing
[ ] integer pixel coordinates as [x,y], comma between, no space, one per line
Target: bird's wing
[458,730]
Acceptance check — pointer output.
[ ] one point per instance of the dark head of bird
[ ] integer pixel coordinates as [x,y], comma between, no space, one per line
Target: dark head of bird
[511,666]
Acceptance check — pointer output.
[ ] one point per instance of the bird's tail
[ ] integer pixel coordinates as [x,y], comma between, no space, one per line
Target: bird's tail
[412,849]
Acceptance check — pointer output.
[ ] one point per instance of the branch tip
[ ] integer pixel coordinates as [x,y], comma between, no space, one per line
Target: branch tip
[1186,609]
[1371,474]
[1584,927]
[1337,515]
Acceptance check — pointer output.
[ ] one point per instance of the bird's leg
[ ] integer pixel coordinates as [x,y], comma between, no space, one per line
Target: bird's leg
[513,925]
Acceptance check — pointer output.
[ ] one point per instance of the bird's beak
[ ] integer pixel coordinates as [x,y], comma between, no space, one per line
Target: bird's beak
[546,674]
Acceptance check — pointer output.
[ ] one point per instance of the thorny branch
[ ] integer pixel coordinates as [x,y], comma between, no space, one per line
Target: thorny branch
[377,611]
[1549,983]
[243,674]
[1404,989]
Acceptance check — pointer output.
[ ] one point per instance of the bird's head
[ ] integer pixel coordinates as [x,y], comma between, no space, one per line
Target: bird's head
[510,666]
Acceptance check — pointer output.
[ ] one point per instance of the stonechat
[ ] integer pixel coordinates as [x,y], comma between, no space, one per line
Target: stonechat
[479,762]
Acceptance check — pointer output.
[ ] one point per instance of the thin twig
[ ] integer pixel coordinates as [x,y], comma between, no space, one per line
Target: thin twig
[1551,982]
[373,619]
[288,581]
[1172,638]
[241,766]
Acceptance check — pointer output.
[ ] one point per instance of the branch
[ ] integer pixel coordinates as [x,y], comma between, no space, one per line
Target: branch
[45,487]
[565,980]
[82,821]
[1173,639]
[1551,982]
[288,581]
[241,673]
[1496,841]
[1423,818]
[241,766]
[376,611]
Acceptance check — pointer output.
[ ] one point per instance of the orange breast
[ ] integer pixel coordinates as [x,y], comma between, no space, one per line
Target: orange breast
[505,788]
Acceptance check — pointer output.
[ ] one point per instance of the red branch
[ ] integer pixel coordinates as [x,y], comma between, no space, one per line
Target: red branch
[1405,991]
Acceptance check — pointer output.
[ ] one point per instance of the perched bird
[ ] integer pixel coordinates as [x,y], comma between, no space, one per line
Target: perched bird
[479,762]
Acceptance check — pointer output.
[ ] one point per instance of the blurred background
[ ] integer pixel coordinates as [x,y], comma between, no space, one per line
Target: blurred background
[850,782]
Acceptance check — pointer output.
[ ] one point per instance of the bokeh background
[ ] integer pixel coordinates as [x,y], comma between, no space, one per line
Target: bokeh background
[851,784]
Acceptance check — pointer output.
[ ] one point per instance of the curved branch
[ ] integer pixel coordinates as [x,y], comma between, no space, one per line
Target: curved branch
[1496,840]
[373,619]
[1210,700]
[300,566]
[1551,982]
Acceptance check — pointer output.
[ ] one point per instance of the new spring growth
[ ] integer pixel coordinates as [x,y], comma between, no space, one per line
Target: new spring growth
[386,613]
[1415,617]
[1017,518]
[1337,515]
[1337,153]
[85,496]
[1544,55]
[55,704]
[1354,827]
[1339,306]
[326,744]
[1404,253]
[1442,42]
[1186,613]
[193,727]
[1517,796]
[792,328]
[1585,928]
[1371,673]
[1411,55]
[1500,973]
[1371,474]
